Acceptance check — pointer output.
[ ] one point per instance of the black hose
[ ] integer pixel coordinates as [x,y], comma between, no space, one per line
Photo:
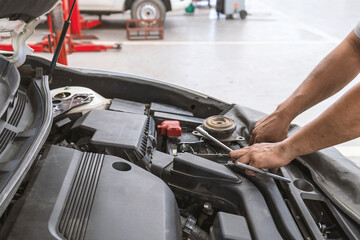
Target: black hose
[193,231]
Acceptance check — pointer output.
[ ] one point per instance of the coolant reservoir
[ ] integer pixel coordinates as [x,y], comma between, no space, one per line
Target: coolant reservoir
[77,100]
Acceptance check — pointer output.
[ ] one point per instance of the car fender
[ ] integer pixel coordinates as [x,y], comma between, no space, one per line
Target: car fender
[167,3]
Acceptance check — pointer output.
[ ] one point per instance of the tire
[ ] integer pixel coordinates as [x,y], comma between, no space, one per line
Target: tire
[243,14]
[148,9]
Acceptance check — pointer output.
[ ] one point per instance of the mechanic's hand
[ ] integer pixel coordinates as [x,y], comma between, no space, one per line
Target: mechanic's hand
[272,128]
[262,155]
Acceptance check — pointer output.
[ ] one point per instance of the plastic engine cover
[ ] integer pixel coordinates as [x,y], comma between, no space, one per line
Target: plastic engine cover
[93,196]
[127,135]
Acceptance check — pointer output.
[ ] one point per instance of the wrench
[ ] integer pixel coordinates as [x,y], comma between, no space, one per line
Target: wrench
[238,164]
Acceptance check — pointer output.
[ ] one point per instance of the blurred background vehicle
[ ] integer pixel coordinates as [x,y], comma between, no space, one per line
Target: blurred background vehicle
[140,9]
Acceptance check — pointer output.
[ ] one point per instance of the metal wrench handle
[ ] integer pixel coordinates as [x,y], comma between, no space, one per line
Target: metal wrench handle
[245,166]
[206,134]
[238,164]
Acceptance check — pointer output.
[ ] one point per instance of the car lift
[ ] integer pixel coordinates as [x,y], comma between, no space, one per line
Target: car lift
[74,38]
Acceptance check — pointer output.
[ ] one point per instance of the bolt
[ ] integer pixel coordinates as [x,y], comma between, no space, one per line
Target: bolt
[208,209]
[207,206]
[183,147]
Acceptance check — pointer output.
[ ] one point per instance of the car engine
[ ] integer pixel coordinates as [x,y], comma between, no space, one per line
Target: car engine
[120,169]
[155,137]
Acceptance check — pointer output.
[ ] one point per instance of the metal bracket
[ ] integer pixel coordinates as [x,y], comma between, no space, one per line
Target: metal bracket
[61,106]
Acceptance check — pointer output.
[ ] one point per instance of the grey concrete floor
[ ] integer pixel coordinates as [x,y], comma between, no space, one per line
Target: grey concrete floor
[255,62]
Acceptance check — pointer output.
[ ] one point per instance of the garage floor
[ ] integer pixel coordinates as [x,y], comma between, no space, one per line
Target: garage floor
[255,62]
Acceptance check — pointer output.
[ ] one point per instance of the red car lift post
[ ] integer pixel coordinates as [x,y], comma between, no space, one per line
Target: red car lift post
[78,23]
[48,44]
[67,46]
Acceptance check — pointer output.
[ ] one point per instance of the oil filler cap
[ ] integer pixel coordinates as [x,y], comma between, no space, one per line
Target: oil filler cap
[170,128]
[219,126]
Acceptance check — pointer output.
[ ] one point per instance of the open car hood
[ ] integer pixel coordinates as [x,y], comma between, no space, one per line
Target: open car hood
[119,139]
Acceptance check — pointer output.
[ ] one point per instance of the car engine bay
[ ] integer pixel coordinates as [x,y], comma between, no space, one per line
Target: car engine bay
[115,168]
[161,139]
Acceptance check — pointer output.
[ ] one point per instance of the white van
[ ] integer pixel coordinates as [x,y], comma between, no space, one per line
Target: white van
[140,9]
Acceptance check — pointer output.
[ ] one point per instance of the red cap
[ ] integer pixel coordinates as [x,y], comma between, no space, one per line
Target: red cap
[170,128]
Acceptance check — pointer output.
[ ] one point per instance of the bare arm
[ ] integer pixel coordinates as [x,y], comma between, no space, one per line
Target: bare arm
[334,72]
[339,123]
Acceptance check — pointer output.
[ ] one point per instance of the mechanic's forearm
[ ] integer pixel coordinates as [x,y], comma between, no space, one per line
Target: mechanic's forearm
[333,73]
[338,124]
